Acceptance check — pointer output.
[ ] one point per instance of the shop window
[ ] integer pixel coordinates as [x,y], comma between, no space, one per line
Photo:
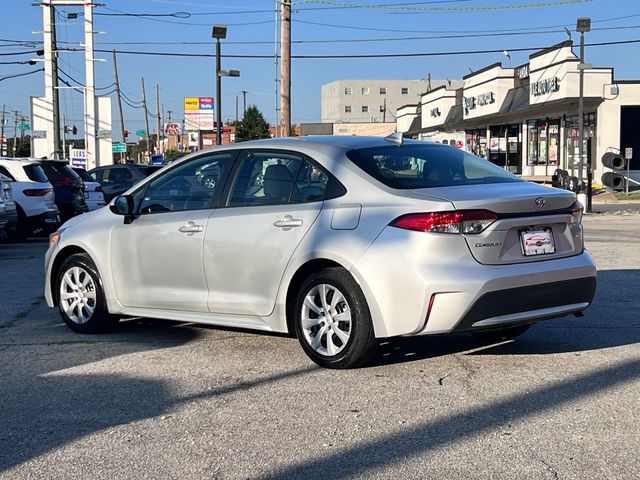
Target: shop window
[572,138]
[543,142]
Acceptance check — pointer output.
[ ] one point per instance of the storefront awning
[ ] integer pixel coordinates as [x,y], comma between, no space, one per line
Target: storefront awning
[517,100]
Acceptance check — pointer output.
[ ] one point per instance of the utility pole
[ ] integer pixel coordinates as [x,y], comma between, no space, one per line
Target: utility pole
[15,132]
[144,107]
[236,108]
[244,103]
[64,136]
[285,67]
[119,94]
[54,78]
[583,25]
[3,141]
[384,110]
[158,120]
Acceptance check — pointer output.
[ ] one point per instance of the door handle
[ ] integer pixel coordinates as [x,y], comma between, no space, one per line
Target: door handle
[190,228]
[288,222]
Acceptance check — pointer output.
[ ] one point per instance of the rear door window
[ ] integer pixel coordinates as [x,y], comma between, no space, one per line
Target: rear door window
[84,175]
[56,173]
[5,172]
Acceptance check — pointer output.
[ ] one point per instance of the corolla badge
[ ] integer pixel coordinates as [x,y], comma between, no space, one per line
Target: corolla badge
[539,203]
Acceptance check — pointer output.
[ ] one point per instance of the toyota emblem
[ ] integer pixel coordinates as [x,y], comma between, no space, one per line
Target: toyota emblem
[539,203]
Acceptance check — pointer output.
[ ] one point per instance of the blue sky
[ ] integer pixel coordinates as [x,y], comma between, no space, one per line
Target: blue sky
[180,77]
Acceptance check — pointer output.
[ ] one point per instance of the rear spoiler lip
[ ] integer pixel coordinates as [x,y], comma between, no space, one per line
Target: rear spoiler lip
[541,213]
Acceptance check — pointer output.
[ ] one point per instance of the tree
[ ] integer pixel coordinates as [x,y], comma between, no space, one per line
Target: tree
[252,126]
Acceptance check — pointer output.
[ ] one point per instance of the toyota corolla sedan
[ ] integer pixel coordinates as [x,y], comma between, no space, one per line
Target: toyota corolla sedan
[340,241]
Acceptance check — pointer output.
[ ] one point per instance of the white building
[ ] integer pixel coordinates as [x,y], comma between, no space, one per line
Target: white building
[526,118]
[368,101]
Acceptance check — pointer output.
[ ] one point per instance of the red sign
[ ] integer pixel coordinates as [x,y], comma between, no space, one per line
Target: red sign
[172,129]
[206,103]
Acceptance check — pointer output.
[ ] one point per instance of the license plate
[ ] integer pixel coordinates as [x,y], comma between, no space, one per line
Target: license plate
[537,242]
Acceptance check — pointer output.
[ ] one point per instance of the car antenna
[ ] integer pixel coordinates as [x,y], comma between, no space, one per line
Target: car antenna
[394,138]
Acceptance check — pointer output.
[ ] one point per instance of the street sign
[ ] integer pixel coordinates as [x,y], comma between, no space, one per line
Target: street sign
[628,153]
[141,133]
[24,126]
[119,147]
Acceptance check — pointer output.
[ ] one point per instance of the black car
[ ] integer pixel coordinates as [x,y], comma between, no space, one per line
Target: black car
[68,188]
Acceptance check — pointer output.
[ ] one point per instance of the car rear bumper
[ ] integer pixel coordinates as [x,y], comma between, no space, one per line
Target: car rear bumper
[421,284]
[44,222]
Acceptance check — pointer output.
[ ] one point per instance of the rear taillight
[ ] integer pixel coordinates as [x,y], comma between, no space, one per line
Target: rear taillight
[98,189]
[576,211]
[463,221]
[37,192]
[63,181]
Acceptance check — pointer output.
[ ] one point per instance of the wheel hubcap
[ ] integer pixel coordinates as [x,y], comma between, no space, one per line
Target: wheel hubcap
[77,295]
[326,320]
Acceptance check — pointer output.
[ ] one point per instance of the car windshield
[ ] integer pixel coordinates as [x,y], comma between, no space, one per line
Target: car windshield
[84,175]
[427,165]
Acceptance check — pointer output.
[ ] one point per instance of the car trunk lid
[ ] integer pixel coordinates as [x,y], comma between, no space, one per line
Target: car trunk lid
[535,223]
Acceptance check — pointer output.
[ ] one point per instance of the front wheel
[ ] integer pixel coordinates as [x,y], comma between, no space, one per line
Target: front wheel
[81,298]
[333,322]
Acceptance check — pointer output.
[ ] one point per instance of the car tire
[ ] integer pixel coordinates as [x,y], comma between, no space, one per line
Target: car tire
[502,334]
[79,282]
[18,231]
[344,337]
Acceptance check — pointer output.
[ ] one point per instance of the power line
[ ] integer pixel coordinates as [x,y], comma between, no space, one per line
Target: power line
[21,74]
[376,55]
[418,8]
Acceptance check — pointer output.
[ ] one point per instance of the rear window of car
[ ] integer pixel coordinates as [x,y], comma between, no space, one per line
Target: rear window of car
[84,175]
[150,170]
[427,165]
[35,173]
[58,172]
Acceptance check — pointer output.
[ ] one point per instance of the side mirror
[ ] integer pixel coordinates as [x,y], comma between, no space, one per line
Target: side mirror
[123,205]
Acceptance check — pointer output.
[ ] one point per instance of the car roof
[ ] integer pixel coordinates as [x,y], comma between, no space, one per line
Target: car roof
[27,161]
[344,141]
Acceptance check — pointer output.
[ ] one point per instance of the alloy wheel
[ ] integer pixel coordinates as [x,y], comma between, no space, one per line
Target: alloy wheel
[77,295]
[326,319]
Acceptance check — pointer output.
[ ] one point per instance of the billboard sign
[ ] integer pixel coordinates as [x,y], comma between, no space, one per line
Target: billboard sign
[191,103]
[171,128]
[206,103]
[78,157]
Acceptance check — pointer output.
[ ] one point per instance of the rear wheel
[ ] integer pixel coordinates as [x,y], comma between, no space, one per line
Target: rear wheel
[502,334]
[332,320]
[18,231]
[81,298]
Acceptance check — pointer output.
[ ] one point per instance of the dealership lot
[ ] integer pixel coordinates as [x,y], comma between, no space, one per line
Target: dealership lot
[163,400]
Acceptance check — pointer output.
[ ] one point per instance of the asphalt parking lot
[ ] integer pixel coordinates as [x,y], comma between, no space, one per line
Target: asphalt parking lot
[166,400]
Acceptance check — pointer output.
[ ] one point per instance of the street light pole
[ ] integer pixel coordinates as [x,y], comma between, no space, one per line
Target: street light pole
[583,25]
[218,99]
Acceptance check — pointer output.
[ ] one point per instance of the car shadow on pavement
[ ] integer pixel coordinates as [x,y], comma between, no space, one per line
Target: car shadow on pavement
[52,395]
[362,459]
[612,320]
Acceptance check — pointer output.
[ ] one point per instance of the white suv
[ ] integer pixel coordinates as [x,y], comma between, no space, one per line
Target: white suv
[33,195]
[8,211]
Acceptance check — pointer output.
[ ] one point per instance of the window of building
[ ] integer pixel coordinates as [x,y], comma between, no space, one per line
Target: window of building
[365,109]
[381,110]
[347,109]
[365,90]
[347,90]
[383,90]
[543,142]
[404,91]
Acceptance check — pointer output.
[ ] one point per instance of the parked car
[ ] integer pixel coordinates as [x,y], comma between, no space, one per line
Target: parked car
[341,241]
[8,209]
[34,198]
[117,179]
[92,189]
[68,187]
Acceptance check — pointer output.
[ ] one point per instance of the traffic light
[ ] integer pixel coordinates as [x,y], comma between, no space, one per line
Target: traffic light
[125,133]
[74,130]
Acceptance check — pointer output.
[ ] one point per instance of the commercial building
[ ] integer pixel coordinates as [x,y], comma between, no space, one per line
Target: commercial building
[369,101]
[525,119]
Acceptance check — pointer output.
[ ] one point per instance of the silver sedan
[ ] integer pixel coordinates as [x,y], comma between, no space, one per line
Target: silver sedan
[340,241]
